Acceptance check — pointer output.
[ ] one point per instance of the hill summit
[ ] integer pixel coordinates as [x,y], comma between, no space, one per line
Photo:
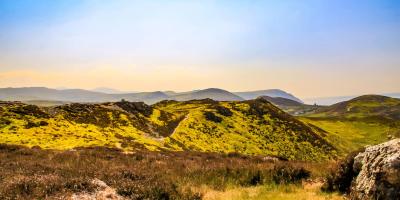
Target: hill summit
[366,106]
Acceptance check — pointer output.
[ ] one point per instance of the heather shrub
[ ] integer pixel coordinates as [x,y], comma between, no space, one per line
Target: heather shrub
[27,173]
[340,178]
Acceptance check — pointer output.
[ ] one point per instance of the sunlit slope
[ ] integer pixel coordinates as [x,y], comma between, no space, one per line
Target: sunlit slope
[74,125]
[250,127]
[253,127]
[365,120]
[367,106]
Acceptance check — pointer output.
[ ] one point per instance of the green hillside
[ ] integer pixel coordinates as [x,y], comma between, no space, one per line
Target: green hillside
[361,121]
[254,127]
[367,106]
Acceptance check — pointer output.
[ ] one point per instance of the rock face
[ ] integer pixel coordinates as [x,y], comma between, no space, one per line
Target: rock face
[379,172]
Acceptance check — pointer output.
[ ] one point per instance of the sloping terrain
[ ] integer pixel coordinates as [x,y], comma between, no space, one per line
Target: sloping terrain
[254,127]
[367,106]
[250,127]
[271,93]
[291,106]
[365,120]
[282,101]
[337,99]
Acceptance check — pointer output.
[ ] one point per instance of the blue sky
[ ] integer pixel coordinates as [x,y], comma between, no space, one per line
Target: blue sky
[309,48]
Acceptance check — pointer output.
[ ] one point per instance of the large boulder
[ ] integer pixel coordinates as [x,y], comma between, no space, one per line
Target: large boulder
[378,170]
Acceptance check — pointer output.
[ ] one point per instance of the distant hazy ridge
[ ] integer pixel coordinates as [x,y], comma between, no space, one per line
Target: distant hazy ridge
[79,95]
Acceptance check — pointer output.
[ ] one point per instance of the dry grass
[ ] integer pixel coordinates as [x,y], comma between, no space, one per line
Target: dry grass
[41,174]
[306,191]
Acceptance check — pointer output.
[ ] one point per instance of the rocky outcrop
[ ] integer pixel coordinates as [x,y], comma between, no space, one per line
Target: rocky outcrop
[378,170]
[103,192]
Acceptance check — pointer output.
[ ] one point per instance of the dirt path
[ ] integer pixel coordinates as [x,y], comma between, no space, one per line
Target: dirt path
[186,117]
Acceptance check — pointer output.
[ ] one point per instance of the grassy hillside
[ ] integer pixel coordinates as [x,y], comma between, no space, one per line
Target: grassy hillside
[254,127]
[364,120]
[367,106]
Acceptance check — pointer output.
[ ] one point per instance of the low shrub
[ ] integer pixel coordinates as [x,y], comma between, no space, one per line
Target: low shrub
[27,173]
[210,116]
[341,177]
[283,174]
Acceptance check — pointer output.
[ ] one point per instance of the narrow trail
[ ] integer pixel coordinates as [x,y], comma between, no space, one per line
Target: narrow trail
[161,139]
[186,117]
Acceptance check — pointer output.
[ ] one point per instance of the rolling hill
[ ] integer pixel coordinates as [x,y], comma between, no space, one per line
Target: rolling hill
[367,106]
[280,101]
[271,93]
[290,106]
[253,127]
[337,99]
[211,93]
[364,120]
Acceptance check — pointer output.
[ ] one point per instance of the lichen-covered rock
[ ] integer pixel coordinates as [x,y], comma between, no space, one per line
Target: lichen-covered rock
[379,172]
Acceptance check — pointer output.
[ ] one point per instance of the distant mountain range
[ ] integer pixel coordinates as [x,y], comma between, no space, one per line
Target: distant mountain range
[109,90]
[27,94]
[75,95]
[212,93]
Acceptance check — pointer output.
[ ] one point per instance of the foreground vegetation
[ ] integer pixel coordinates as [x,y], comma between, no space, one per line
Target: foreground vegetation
[305,191]
[38,174]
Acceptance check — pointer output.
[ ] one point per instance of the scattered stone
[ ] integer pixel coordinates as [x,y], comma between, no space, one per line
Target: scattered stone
[103,192]
[270,159]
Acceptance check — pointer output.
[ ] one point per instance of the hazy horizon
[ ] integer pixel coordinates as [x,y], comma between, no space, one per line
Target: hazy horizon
[309,48]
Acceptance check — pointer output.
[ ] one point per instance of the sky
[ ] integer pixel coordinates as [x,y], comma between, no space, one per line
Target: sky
[311,48]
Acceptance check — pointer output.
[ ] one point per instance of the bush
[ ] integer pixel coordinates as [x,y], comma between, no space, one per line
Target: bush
[284,174]
[256,179]
[210,116]
[341,177]
[224,111]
